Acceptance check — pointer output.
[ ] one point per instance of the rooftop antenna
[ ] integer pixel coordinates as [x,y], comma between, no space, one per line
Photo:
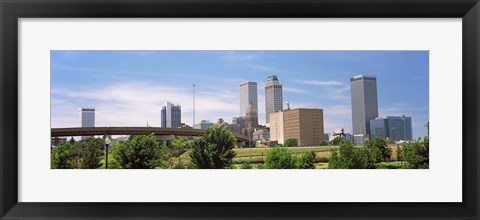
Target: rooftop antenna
[288,105]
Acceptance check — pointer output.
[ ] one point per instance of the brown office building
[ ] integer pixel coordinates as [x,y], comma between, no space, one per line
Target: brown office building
[305,125]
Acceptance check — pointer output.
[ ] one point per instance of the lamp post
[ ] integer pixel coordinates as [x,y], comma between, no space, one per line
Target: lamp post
[107,143]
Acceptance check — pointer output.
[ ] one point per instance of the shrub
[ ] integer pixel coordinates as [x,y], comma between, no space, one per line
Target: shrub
[246,165]
[417,154]
[348,157]
[214,150]
[92,153]
[141,152]
[292,142]
[307,161]
[61,157]
[279,158]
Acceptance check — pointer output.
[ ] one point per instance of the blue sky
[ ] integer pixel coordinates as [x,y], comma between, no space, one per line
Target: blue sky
[129,88]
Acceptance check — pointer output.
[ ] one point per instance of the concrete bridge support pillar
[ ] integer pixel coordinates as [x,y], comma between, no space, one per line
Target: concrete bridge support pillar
[165,138]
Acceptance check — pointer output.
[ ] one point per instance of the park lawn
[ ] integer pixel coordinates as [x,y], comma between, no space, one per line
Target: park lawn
[242,152]
[321,166]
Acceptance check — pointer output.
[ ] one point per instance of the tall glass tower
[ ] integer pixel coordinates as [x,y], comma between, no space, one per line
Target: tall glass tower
[364,103]
[273,96]
[87,115]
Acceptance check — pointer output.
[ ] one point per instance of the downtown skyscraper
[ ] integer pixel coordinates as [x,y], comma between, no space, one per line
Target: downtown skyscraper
[273,96]
[363,90]
[248,95]
[87,115]
[171,116]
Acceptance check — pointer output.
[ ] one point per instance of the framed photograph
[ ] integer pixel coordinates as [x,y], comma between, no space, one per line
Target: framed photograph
[252,109]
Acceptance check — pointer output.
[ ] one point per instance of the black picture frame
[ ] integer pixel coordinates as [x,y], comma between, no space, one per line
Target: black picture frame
[12,10]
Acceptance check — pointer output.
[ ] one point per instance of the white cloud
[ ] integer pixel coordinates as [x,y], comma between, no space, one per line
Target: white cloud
[340,93]
[319,83]
[294,90]
[133,104]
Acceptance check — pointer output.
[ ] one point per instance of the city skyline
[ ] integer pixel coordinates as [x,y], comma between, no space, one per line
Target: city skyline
[129,88]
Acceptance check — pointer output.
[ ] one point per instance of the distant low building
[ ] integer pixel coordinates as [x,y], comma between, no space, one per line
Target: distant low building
[305,125]
[359,139]
[204,125]
[235,129]
[392,127]
[240,120]
[261,135]
[183,125]
[326,137]
[55,141]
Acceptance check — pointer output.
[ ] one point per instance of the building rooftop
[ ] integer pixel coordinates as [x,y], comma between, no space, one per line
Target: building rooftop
[272,78]
[362,77]
[245,83]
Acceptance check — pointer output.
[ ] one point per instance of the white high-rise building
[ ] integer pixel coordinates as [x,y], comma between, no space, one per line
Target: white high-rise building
[273,96]
[171,115]
[277,131]
[248,94]
[87,115]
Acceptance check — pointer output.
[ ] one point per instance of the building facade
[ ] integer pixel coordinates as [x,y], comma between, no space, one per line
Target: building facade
[204,125]
[305,125]
[171,116]
[273,96]
[379,128]
[251,120]
[239,121]
[261,136]
[248,94]
[363,90]
[87,115]
[400,127]
[393,127]
[277,128]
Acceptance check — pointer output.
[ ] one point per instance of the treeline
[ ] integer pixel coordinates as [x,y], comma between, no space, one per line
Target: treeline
[214,150]
[413,155]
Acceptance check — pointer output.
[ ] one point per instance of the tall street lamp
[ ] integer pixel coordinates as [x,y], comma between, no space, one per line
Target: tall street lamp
[107,143]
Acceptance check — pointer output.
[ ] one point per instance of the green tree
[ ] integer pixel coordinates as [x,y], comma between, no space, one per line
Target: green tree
[292,142]
[112,162]
[61,157]
[246,165]
[214,150]
[378,150]
[348,157]
[178,147]
[280,158]
[337,141]
[307,161]
[141,152]
[417,154]
[399,153]
[322,143]
[71,141]
[91,154]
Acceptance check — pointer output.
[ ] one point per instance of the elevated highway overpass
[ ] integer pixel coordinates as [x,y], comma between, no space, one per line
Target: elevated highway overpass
[158,131]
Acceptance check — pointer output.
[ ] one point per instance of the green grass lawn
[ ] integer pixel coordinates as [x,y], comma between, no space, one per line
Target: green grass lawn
[257,155]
